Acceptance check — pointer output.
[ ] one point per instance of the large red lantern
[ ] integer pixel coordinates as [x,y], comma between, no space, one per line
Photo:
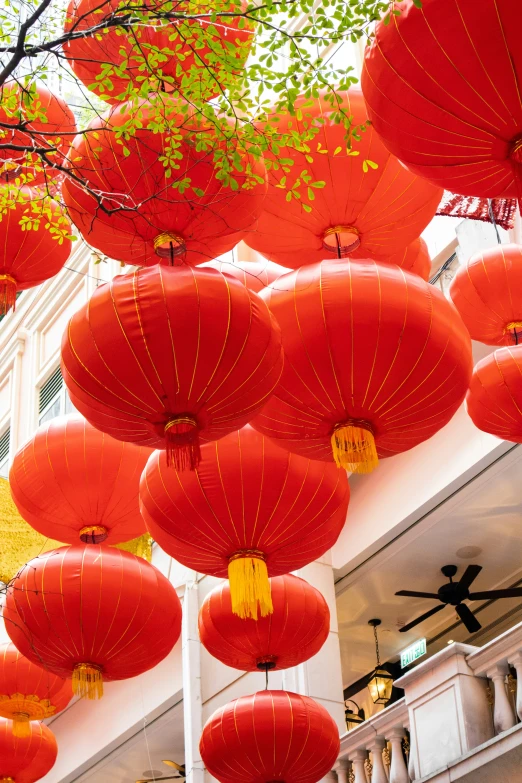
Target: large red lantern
[196,57]
[26,759]
[270,736]
[28,692]
[441,87]
[296,630]
[28,256]
[53,131]
[376,362]
[250,509]
[92,613]
[256,275]
[494,399]
[363,210]
[168,357]
[143,199]
[75,484]
[487,292]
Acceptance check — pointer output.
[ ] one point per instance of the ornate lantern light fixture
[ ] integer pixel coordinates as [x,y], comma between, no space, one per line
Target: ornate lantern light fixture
[380,683]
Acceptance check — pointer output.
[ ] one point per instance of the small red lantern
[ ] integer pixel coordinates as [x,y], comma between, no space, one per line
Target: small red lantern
[250,510]
[92,613]
[170,357]
[376,362]
[52,132]
[364,210]
[31,254]
[270,736]
[487,293]
[255,275]
[27,692]
[186,224]
[169,55]
[494,399]
[296,630]
[26,759]
[74,484]
[441,84]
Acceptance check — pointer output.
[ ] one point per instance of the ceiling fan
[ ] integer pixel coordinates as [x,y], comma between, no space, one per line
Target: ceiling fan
[179,767]
[454,593]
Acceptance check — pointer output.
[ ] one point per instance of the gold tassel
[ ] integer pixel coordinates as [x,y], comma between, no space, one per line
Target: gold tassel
[249,585]
[7,780]
[7,293]
[353,447]
[182,443]
[87,681]
[21,725]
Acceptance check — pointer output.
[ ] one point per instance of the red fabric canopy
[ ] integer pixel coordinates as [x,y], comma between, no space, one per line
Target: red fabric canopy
[72,482]
[442,87]
[90,613]
[296,630]
[270,736]
[26,759]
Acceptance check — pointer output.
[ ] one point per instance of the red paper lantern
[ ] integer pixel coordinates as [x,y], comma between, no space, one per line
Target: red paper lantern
[296,630]
[414,258]
[28,257]
[168,357]
[132,180]
[75,484]
[361,212]
[27,692]
[54,131]
[92,613]
[487,293]
[376,362]
[216,51]
[26,759]
[250,509]
[441,86]
[494,399]
[256,275]
[270,736]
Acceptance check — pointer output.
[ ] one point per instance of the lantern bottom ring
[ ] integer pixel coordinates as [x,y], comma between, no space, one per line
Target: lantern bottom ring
[267,663]
[93,534]
[182,442]
[169,245]
[341,240]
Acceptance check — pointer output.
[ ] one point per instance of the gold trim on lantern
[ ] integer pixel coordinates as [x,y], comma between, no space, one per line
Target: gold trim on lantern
[175,245]
[340,249]
[93,534]
[22,709]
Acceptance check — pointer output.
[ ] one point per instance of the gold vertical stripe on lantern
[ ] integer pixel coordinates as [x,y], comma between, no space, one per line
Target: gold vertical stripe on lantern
[21,543]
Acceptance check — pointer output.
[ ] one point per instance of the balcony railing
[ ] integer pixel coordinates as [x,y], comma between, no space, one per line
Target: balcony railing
[463,711]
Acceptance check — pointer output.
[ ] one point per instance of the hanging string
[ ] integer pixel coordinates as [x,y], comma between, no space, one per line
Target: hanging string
[492,218]
[377,646]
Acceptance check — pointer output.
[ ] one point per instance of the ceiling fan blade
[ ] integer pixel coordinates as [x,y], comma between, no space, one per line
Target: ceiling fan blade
[468,618]
[170,763]
[469,576]
[414,594]
[421,618]
[510,592]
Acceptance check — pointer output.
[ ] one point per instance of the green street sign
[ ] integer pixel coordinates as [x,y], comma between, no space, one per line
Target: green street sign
[413,653]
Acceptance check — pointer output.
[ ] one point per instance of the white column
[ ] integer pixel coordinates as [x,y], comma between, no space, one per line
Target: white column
[358,759]
[341,768]
[503,714]
[192,705]
[378,771]
[398,769]
[516,661]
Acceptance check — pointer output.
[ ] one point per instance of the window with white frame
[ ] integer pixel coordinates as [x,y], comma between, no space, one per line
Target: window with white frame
[54,399]
[5,442]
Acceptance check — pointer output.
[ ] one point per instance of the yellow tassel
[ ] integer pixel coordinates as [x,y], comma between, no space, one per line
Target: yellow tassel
[7,780]
[21,726]
[249,585]
[353,447]
[87,681]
